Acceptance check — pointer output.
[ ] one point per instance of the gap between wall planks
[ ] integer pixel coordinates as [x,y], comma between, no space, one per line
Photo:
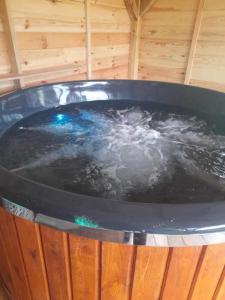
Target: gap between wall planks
[197,27]
[11,41]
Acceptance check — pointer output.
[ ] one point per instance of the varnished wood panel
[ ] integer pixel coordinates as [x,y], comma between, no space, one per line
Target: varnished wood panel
[149,272]
[117,264]
[85,258]
[14,256]
[209,273]
[181,271]
[43,263]
[53,247]
[33,256]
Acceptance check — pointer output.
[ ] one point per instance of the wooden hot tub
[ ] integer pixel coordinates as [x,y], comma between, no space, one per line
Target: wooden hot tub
[55,244]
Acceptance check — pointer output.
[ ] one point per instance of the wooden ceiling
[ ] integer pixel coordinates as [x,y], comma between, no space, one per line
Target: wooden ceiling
[137,8]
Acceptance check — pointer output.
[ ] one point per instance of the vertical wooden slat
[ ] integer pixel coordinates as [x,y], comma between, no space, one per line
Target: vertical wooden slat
[88,39]
[55,263]
[197,26]
[134,46]
[84,255]
[15,258]
[149,272]
[219,293]
[32,258]
[11,41]
[180,274]
[5,273]
[117,261]
[67,262]
[209,273]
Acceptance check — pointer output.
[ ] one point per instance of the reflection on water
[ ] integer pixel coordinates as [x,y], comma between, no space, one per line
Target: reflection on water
[120,151]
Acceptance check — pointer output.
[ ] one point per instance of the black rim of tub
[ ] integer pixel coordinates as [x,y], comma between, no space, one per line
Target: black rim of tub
[132,223]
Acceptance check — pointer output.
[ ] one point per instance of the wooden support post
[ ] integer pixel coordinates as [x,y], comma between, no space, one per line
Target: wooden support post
[197,26]
[136,10]
[11,41]
[134,48]
[88,39]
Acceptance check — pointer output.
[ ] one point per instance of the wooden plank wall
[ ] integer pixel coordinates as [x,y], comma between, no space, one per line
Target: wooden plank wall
[51,40]
[179,36]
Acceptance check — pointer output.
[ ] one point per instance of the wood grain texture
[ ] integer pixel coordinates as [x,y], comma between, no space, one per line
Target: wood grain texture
[32,259]
[85,266]
[194,41]
[55,263]
[181,270]
[209,273]
[11,247]
[117,263]
[53,34]
[10,36]
[149,272]
[38,262]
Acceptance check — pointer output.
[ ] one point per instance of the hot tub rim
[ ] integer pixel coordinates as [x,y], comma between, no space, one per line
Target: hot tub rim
[167,224]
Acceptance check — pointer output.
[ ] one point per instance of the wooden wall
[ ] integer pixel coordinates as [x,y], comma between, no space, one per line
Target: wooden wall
[52,45]
[184,41]
[56,40]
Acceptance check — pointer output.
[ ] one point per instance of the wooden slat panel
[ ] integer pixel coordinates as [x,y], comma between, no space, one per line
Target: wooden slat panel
[49,40]
[209,273]
[53,247]
[32,258]
[65,11]
[120,72]
[53,79]
[117,263]
[149,272]
[208,84]
[15,259]
[161,73]
[181,271]
[112,38]
[5,274]
[35,59]
[165,40]
[85,256]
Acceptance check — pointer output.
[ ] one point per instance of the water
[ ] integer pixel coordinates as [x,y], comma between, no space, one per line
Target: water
[121,150]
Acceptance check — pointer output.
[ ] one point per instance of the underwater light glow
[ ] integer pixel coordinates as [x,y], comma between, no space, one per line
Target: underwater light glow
[60,117]
[84,221]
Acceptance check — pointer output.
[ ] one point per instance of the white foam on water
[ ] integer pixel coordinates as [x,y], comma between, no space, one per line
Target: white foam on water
[133,149]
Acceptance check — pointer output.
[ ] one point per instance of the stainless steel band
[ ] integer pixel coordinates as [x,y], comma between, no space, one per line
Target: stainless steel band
[125,237]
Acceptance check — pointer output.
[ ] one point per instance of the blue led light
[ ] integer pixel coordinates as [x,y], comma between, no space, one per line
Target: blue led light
[60,117]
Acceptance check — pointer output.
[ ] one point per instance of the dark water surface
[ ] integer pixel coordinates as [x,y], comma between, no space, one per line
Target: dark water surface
[121,150]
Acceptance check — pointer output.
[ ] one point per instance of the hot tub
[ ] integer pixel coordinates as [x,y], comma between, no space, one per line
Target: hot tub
[112,190]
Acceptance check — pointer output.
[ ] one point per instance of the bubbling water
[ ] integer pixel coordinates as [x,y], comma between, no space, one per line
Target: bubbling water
[129,154]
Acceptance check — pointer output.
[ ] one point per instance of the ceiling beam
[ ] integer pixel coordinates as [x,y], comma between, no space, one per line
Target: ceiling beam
[146,5]
[132,9]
